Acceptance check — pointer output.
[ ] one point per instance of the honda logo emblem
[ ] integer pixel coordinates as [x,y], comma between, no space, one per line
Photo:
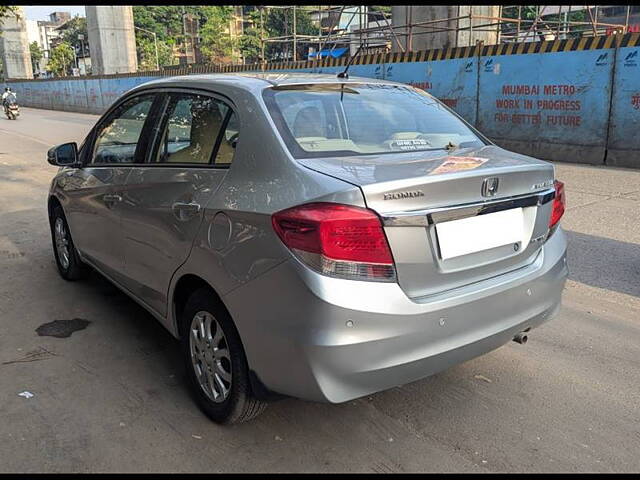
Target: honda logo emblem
[490,186]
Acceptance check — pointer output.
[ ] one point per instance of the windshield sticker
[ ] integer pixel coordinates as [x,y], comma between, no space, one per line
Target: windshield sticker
[409,144]
[457,164]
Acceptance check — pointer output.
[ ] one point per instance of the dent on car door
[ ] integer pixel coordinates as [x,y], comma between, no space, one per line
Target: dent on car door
[94,194]
[164,200]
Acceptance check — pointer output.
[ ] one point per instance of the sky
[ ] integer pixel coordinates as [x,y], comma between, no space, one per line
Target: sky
[42,12]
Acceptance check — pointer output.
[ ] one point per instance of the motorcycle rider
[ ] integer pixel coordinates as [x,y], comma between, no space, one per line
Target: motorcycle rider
[7,92]
[9,96]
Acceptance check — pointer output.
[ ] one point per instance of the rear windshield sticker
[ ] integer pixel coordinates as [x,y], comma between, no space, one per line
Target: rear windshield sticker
[409,144]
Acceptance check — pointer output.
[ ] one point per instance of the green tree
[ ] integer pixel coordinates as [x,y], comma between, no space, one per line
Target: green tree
[166,23]
[147,53]
[36,54]
[250,45]
[74,27]
[61,59]
[216,43]
[384,9]
[279,22]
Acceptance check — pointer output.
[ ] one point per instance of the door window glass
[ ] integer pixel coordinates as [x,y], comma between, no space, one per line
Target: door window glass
[228,142]
[118,138]
[191,130]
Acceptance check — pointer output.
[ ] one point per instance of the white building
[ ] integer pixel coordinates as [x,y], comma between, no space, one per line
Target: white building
[45,33]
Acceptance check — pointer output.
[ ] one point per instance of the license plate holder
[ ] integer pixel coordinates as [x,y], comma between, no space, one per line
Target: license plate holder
[479,233]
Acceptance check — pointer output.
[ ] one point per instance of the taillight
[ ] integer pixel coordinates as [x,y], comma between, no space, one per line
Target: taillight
[337,240]
[557,210]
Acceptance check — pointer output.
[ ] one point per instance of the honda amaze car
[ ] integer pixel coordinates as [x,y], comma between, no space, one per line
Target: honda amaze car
[308,235]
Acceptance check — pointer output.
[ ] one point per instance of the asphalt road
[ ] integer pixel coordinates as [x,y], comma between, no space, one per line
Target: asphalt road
[112,397]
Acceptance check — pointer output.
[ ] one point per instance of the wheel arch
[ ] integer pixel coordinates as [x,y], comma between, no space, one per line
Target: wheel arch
[52,203]
[184,287]
[182,290]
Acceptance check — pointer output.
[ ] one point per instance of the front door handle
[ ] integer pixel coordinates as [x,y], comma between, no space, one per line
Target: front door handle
[109,200]
[184,211]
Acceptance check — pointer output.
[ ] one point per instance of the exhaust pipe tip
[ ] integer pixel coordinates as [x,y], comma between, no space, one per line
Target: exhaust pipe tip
[521,338]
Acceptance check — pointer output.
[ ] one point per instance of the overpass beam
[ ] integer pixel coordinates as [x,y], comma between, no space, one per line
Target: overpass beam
[112,39]
[14,46]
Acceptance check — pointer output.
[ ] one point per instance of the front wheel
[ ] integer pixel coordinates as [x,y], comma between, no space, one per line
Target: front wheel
[216,364]
[68,261]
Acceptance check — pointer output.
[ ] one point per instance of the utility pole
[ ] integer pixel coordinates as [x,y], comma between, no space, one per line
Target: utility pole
[75,57]
[410,38]
[559,22]
[319,30]
[184,36]
[155,41]
[262,37]
[295,41]
[84,59]
[626,20]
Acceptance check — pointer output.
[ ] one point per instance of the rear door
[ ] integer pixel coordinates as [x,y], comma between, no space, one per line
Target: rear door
[164,199]
[94,189]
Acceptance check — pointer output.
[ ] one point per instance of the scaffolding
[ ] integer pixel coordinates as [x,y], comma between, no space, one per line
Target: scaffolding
[333,35]
[513,24]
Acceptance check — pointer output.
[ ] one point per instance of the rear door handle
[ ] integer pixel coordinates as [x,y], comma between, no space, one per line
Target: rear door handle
[184,211]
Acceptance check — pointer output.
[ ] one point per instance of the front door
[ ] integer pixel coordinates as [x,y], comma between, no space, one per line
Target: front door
[163,201]
[95,189]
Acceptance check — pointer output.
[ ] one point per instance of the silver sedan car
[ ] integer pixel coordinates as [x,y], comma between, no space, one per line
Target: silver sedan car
[308,235]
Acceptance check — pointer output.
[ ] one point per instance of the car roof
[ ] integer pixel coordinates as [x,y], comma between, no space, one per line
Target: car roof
[257,80]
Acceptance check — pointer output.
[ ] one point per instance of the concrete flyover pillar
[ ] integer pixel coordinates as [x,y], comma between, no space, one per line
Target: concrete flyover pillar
[14,46]
[112,39]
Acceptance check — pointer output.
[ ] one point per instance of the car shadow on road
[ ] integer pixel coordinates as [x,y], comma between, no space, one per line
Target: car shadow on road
[150,336]
[604,263]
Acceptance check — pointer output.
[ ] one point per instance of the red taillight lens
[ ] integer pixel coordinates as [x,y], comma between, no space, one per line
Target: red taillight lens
[337,240]
[557,210]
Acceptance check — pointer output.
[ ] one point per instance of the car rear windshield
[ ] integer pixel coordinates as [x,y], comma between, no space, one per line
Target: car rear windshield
[329,120]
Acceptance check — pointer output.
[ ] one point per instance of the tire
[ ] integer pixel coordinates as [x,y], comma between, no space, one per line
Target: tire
[239,405]
[70,266]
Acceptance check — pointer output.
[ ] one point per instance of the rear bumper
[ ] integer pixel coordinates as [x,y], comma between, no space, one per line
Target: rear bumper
[332,340]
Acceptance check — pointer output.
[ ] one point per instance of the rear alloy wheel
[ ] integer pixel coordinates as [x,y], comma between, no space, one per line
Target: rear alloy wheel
[217,368]
[68,261]
[210,356]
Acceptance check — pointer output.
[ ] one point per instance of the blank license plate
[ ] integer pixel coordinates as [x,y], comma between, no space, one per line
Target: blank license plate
[474,234]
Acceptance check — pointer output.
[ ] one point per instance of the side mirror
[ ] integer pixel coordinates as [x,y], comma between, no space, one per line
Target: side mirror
[65,155]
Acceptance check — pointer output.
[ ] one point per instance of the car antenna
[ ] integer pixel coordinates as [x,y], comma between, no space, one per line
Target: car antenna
[344,73]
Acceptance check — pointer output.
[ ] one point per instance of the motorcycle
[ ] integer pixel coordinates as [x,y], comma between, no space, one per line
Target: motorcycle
[11,109]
